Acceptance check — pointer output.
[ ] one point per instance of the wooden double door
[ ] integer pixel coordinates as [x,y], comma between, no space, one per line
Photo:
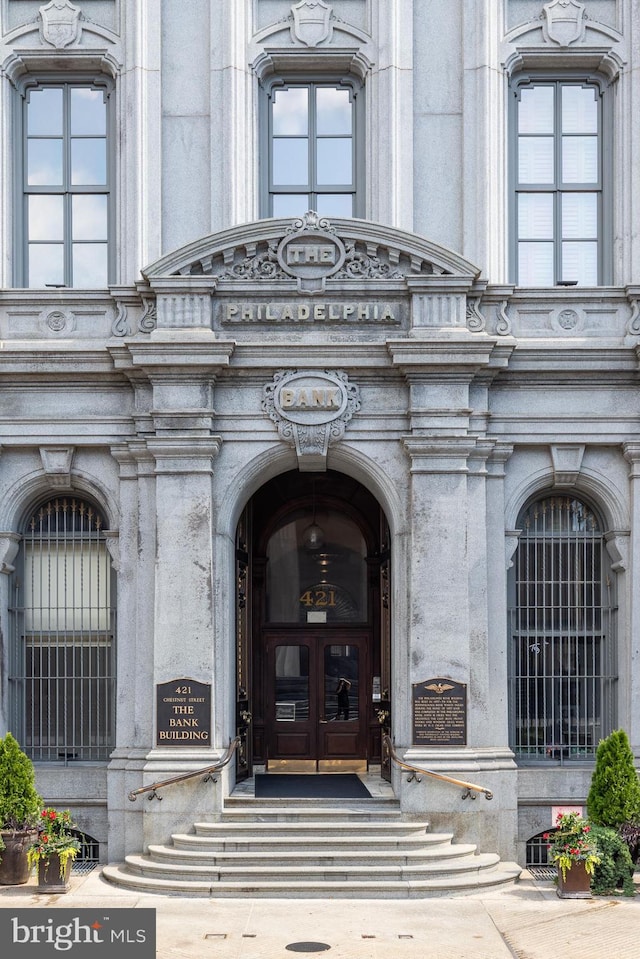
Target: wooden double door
[317,685]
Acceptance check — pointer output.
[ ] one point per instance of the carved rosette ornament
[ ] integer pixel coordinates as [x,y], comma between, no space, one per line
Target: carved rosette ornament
[311,22]
[60,23]
[311,409]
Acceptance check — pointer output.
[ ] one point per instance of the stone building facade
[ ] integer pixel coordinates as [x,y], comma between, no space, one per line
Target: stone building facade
[320,327]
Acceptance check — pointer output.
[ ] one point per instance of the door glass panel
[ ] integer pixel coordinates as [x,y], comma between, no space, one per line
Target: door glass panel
[316,569]
[292,684]
[341,680]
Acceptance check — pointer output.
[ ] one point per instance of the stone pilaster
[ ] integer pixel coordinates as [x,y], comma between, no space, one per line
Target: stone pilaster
[629,649]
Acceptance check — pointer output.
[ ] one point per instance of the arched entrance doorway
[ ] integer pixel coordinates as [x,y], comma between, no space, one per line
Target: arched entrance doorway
[313,649]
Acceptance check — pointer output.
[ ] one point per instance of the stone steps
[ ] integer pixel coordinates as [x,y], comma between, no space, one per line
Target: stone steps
[314,849]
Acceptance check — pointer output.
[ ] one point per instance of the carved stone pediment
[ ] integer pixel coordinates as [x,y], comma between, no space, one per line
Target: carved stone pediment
[311,250]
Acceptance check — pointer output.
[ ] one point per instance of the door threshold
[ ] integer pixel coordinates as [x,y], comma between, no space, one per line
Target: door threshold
[313,766]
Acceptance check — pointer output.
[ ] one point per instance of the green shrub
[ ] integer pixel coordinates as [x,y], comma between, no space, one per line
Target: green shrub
[20,803]
[614,872]
[614,796]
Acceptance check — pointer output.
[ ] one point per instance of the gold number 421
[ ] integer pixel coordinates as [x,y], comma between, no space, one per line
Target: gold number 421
[319,597]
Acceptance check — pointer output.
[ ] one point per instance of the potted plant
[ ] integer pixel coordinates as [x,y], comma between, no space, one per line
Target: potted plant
[54,850]
[574,850]
[20,806]
[614,795]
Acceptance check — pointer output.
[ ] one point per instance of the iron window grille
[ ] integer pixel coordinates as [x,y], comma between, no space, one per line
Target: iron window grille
[62,677]
[562,642]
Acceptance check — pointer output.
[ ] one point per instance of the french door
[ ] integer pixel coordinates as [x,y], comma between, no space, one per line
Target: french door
[316,698]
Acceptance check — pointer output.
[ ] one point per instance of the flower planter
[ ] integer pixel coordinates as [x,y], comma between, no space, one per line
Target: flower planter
[14,867]
[576,885]
[49,878]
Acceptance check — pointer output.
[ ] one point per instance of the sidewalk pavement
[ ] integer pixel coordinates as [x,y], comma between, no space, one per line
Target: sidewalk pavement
[526,920]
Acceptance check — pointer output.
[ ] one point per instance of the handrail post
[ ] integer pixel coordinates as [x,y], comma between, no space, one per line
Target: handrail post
[470,789]
[207,774]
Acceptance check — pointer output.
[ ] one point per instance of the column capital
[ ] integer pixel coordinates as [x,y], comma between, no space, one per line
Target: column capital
[440,454]
[184,454]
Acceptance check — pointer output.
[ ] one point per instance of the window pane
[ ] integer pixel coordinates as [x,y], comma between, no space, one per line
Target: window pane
[535,160]
[46,218]
[579,110]
[580,215]
[88,161]
[333,111]
[291,204]
[334,204]
[535,264]
[89,217]
[535,110]
[90,265]
[290,116]
[334,161]
[341,678]
[44,112]
[535,216]
[580,262]
[291,162]
[580,159]
[88,111]
[291,683]
[46,265]
[44,162]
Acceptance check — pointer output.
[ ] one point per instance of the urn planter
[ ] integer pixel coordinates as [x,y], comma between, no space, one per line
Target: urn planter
[14,865]
[576,883]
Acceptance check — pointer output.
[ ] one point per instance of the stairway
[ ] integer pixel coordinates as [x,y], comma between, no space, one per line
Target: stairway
[312,848]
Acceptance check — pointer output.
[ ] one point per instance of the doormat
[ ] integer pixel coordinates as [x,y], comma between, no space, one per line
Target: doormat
[310,786]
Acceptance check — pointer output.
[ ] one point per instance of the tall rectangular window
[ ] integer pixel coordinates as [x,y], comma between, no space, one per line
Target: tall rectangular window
[562,646]
[65,186]
[62,675]
[558,181]
[311,133]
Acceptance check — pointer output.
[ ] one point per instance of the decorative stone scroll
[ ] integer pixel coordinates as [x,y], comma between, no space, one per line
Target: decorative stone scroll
[311,409]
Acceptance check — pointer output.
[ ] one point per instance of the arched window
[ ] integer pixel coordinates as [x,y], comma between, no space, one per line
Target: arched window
[562,641]
[63,651]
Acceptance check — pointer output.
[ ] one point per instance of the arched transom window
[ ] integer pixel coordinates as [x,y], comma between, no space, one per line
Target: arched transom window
[62,676]
[561,633]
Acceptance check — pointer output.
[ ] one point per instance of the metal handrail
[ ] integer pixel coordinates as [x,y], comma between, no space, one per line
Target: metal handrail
[470,789]
[206,773]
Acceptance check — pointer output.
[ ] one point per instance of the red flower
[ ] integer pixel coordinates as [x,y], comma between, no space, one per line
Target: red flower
[545,835]
[45,838]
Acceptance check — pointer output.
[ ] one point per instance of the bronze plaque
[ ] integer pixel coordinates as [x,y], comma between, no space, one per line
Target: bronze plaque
[183,713]
[439,713]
